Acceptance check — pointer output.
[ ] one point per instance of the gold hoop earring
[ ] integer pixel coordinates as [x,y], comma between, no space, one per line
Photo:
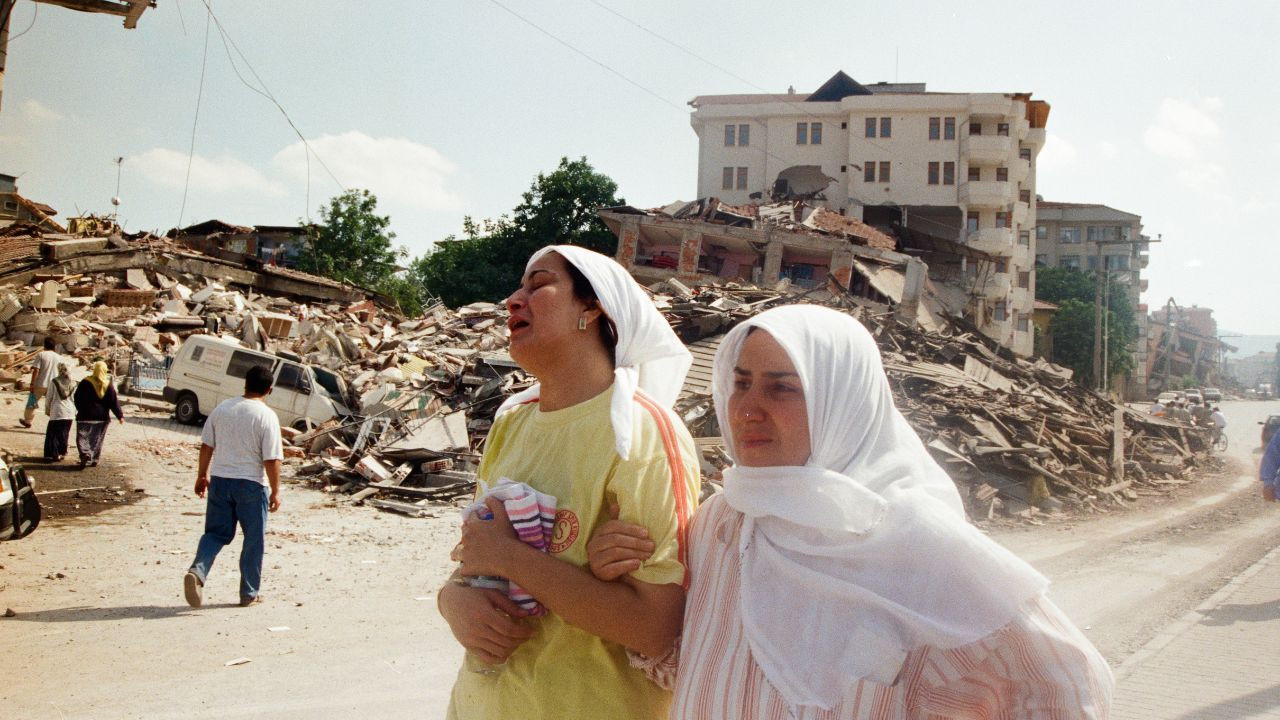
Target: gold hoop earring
[582,323]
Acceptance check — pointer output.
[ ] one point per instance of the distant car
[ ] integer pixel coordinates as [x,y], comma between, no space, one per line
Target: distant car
[1269,428]
[1194,394]
[1165,398]
[1212,395]
[19,508]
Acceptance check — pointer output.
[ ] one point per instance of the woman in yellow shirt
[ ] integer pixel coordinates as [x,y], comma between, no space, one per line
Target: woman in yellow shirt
[597,433]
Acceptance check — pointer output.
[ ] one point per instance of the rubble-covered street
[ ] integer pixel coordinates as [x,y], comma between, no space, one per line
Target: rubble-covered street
[1096,494]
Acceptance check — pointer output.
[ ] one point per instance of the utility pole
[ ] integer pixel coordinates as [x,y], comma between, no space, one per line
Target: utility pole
[1099,367]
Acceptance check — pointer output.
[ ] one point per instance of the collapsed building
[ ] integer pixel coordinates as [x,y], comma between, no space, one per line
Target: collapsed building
[1017,436]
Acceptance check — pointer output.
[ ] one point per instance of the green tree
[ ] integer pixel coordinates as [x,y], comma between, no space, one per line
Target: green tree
[1072,327]
[488,259]
[351,242]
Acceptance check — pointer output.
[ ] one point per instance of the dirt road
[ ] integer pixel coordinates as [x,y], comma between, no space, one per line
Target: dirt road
[350,624]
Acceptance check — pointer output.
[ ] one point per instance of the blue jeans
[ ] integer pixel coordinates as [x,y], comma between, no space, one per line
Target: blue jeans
[231,501]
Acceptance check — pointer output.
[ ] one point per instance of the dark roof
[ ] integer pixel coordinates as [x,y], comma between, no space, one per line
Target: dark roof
[840,86]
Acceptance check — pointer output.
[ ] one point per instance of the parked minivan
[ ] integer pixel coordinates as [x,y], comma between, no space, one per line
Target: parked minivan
[19,507]
[208,370]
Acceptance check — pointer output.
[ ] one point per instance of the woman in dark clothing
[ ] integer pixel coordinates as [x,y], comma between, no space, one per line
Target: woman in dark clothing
[96,402]
[61,409]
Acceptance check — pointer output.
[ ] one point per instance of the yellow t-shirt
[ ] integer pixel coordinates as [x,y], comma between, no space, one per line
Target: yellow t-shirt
[563,671]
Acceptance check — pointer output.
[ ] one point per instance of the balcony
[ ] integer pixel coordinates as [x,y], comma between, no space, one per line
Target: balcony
[1144,259]
[1021,300]
[1021,211]
[1035,136]
[986,194]
[997,241]
[997,286]
[1019,170]
[987,149]
[997,104]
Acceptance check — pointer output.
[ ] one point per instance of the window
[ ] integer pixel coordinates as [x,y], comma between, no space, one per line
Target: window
[1025,154]
[1002,129]
[242,361]
[744,135]
[1092,262]
[935,128]
[293,378]
[975,128]
[802,134]
[1024,278]
[844,168]
[949,128]
[844,126]
[971,221]
[934,172]
[1097,233]
[886,127]
[871,128]
[1042,232]
[1021,322]
[884,171]
[1042,260]
[1024,196]
[742,178]
[726,179]
[1000,312]
[948,173]
[1002,174]
[975,174]
[1024,237]
[1069,261]
[815,133]
[1070,236]
[1002,265]
[869,171]
[730,135]
[1002,219]
[1117,262]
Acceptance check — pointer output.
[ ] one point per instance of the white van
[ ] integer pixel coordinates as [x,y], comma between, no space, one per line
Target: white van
[208,370]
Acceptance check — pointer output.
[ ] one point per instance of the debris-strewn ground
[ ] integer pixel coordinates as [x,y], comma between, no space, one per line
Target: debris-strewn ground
[419,394]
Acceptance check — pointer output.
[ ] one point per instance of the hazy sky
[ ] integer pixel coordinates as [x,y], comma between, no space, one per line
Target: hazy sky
[447,109]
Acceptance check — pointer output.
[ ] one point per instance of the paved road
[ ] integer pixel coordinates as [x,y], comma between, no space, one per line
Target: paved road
[113,637]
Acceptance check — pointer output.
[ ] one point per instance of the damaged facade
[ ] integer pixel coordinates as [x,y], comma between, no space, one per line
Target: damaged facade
[1089,236]
[959,167]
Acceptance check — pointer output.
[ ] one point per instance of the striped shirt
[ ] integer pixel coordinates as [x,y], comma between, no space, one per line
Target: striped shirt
[1037,666]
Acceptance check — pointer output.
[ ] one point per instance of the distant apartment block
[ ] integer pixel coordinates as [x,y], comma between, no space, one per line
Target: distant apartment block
[1089,236]
[954,166]
[16,209]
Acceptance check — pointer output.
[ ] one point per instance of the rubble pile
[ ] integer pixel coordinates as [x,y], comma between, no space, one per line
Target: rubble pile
[419,394]
[1015,434]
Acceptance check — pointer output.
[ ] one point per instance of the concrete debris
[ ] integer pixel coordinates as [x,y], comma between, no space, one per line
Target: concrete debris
[1018,436]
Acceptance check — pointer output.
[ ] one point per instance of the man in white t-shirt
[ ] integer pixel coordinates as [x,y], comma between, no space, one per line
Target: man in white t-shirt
[43,367]
[239,459]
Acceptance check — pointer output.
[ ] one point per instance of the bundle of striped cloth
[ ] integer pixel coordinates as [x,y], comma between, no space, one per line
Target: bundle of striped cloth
[532,515]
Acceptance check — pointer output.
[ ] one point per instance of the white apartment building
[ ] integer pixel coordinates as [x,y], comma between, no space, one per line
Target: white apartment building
[1077,235]
[957,166]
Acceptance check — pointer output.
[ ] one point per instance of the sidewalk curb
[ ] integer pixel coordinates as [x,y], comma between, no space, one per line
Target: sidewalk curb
[1192,618]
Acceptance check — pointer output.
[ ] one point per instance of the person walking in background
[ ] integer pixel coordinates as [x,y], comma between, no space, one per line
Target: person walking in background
[43,367]
[240,456]
[95,401]
[1269,471]
[60,406]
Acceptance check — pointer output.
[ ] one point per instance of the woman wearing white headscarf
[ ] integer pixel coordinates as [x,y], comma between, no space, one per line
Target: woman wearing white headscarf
[597,434]
[836,576]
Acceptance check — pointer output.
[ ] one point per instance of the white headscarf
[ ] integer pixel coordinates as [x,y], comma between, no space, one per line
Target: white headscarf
[864,553]
[648,356]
